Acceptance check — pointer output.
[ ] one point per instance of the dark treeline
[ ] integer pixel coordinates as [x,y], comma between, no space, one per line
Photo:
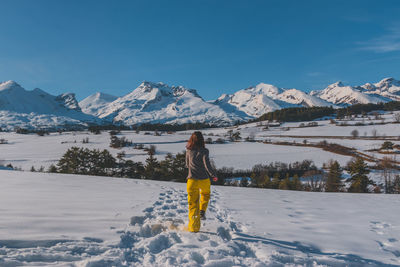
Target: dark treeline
[119,127]
[276,168]
[358,109]
[172,168]
[301,176]
[155,127]
[312,113]
[101,163]
[173,127]
[297,114]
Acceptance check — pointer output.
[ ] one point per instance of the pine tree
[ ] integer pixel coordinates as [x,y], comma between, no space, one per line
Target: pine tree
[151,169]
[179,167]
[296,183]
[134,169]
[52,169]
[285,183]
[266,181]
[334,179]
[359,176]
[275,181]
[166,171]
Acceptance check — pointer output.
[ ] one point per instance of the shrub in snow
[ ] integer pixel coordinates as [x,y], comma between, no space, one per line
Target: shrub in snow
[387,145]
[354,133]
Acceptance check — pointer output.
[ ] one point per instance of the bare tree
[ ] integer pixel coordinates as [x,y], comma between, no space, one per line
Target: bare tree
[387,173]
[315,181]
[396,117]
[374,133]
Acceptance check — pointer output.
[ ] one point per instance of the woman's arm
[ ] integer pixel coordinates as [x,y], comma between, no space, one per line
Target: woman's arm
[207,165]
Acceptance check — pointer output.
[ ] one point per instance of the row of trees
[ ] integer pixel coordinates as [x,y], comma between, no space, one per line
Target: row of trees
[311,179]
[302,176]
[100,162]
[297,114]
[358,109]
[312,113]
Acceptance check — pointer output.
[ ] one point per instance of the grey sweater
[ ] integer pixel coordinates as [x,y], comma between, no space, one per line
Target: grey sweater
[198,163]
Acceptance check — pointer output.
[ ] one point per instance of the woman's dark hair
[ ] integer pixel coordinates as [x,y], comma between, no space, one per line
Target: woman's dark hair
[195,141]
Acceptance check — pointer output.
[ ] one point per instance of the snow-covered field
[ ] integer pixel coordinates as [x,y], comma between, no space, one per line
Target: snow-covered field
[25,151]
[30,150]
[71,220]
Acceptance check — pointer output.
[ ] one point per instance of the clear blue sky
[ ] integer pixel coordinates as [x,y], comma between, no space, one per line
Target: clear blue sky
[213,46]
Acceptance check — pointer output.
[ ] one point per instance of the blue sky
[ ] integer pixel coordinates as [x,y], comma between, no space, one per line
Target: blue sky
[213,46]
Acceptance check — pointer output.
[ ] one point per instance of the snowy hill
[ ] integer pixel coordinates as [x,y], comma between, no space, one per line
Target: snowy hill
[36,108]
[94,104]
[263,98]
[388,87]
[337,93]
[160,103]
[71,220]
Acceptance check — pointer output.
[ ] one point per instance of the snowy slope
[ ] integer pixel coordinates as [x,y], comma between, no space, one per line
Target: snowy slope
[337,93]
[388,87]
[298,97]
[70,220]
[94,104]
[19,107]
[263,98]
[160,103]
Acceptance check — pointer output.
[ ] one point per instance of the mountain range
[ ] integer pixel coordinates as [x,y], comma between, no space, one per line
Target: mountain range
[160,103]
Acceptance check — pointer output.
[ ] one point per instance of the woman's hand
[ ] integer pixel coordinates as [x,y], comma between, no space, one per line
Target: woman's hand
[215,179]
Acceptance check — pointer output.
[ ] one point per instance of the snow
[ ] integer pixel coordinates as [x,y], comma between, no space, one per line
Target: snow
[338,93]
[25,151]
[36,108]
[71,220]
[160,103]
[93,104]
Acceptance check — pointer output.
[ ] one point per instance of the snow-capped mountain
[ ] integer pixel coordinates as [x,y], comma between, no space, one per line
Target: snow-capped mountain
[388,87]
[160,103]
[36,108]
[258,100]
[337,93]
[94,104]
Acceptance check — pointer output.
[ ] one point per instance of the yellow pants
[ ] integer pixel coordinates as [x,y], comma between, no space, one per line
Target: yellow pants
[198,196]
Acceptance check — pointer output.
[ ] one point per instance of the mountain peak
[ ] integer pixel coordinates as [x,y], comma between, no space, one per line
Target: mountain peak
[387,82]
[148,87]
[337,84]
[9,85]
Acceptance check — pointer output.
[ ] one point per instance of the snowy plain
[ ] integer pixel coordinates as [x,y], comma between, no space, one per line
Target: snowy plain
[72,220]
[25,151]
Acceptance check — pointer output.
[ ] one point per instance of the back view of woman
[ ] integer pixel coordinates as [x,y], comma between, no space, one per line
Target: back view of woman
[198,180]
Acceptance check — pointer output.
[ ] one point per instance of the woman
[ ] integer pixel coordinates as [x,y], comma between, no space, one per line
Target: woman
[198,180]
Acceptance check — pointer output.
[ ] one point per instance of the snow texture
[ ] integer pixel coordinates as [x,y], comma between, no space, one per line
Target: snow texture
[70,220]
